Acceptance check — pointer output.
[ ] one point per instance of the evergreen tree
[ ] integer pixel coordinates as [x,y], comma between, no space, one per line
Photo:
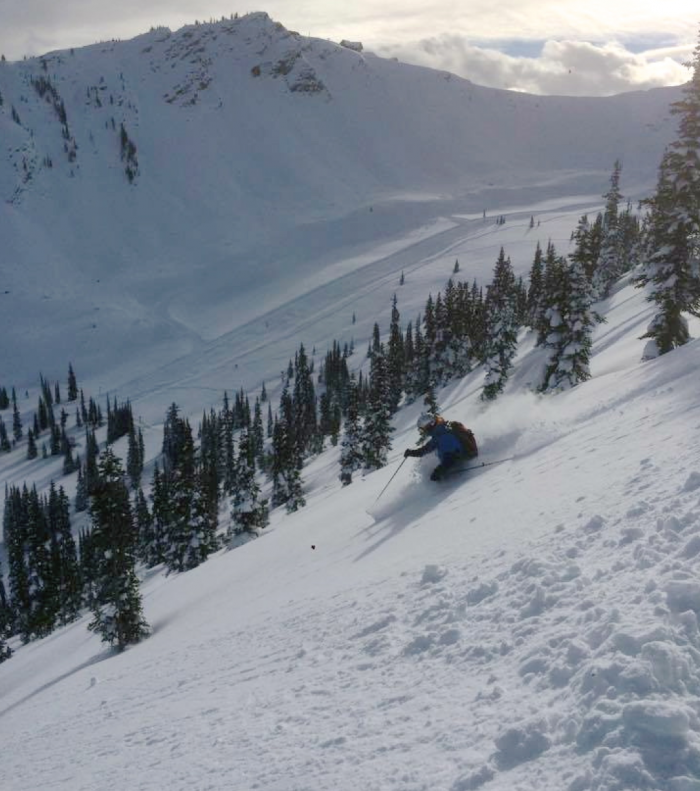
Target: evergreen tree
[42,415]
[457,354]
[134,457]
[610,265]
[90,472]
[5,622]
[227,450]
[672,268]
[153,543]
[181,539]
[502,311]
[16,423]
[81,493]
[570,335]
[27,538]
[15,537]
[588,240]
[5,445]
[534,293]
[395,358]
[304,404]
[72,384]
[257,432]
[430,401]
[418,376]
[32,451]
[204,521]
[351,458]
[553,294]
[64,556]
[118,616]
[143,523]
[376,428]
[249,511]
[287,487]
[69,463]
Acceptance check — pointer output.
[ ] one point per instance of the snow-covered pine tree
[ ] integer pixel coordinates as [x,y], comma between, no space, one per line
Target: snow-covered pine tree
[72,384]
[249,511]
[65,569]
[6,619]
[180,536]
[116,606]
[257,432]
[304,404]
[287,485]
[440,355]
[610,264]
[534,292]
[32,451]
[395,358]
[42,583]
[458,310]
[17,432]
[5,445]
[502,312]
[376,428]
[351,458]
[152,543]
[478,327]
[17,548]
[418,370]
[204,520]
[207,483]
[134,456]
[228,455]
[143,522]
[570,331]
[672,267]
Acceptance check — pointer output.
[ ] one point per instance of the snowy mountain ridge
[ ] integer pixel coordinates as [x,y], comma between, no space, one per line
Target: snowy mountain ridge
[197,176]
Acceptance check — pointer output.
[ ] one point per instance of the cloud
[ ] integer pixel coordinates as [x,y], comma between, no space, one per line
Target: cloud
[572,68]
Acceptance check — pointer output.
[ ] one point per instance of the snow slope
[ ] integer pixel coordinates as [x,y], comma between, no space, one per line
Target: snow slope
[532,626]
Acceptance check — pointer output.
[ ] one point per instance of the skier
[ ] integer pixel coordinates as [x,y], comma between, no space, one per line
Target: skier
[445,440]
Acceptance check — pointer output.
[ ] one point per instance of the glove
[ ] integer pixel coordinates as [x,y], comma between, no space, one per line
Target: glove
[409,452]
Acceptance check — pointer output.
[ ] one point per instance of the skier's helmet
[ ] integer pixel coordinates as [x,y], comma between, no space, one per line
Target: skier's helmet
[425,421]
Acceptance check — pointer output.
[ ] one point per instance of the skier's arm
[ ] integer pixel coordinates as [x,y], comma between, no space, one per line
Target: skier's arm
[422,451]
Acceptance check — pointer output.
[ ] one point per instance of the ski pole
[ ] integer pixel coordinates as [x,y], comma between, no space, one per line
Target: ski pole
[390,480]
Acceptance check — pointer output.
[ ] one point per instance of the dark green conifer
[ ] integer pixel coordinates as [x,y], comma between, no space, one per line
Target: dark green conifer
[117,609]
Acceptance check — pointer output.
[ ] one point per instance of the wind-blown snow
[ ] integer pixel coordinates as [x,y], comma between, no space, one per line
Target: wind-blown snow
[530,624]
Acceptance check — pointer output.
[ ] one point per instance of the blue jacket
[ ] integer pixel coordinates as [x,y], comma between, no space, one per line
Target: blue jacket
[443,441]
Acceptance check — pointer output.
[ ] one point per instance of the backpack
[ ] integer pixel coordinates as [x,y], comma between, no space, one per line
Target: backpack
[466,438]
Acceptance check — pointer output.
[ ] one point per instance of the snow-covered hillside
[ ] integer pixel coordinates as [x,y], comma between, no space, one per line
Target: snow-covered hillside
[530,625]
[534,625]
[265,164]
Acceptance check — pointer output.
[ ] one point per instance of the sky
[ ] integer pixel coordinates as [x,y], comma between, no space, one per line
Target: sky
[569,47]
